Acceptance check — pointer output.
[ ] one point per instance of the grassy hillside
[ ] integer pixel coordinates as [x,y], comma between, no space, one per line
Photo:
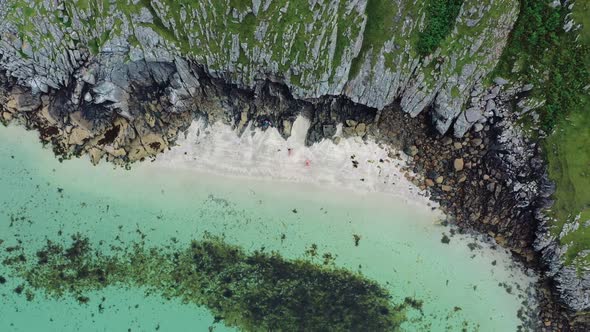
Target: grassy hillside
[541,52]
[568,153]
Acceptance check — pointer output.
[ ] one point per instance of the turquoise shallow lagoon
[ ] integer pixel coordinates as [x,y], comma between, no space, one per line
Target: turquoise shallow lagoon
[465,284]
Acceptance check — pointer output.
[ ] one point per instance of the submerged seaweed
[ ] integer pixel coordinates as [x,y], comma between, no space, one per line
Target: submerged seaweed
[257,291]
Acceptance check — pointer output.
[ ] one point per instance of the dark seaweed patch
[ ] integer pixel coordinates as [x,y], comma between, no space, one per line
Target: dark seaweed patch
[258,291]
[357,239]
[414,303]
[109,136]
[19,289]
[155,146]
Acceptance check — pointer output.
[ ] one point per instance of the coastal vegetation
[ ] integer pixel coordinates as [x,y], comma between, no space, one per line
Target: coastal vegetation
[255,291]
[440,20]
[541,52]
[557,62]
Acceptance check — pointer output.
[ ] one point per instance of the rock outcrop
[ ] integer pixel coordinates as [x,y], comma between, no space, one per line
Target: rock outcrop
[315,47]
[160,101]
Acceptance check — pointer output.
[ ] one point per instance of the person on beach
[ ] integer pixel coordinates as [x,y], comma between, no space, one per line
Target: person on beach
[289,152]
[307,162]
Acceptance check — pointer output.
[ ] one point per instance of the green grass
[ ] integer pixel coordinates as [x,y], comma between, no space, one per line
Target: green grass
[581,14]
[568,150]
[440,20]
[568,154]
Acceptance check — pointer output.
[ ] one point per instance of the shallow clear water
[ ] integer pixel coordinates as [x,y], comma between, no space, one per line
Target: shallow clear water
[400,245]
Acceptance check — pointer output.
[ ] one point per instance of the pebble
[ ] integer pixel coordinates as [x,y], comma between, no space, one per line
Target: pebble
[412,150]
[351,123]
[491,186]
[361,128]
[7,116]
[458,164]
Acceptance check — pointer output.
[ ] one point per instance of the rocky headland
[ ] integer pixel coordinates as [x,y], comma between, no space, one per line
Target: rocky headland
[120,80]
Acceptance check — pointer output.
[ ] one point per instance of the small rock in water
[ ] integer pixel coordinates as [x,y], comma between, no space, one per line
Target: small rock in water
[357,239]
[445,239]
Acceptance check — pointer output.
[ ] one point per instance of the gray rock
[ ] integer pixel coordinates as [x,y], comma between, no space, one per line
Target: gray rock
[473,114]
[490,106]
[500,81]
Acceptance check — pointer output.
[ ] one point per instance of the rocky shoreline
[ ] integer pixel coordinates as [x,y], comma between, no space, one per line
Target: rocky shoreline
[491,180]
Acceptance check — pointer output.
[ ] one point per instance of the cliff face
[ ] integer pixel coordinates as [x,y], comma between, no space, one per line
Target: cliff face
[121,79]
[363,49]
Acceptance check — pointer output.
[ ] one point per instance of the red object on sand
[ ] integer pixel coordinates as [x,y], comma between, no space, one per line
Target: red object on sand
[307,162]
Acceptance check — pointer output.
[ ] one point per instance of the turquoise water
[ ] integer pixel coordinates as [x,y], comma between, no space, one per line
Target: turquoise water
[400,246]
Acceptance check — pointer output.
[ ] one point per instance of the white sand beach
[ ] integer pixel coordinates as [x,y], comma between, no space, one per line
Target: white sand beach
[352,164]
